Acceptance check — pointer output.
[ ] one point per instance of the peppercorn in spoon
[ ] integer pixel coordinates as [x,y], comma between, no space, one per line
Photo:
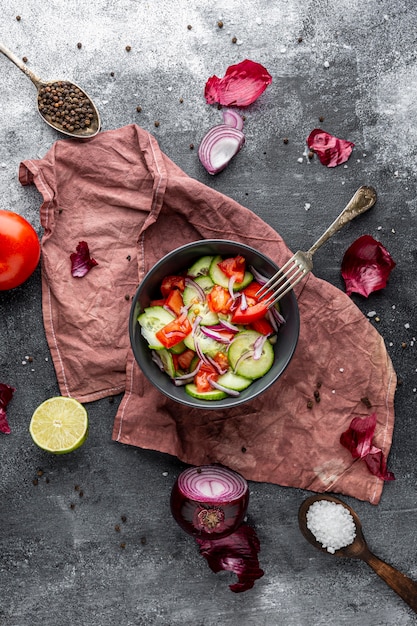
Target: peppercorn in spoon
[63,105]
[339,531]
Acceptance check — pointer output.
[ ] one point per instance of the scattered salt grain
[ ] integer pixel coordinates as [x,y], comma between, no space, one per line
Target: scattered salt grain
[326,64]
[300,160]
[407,325]
[371,313]
[164,473]
[307,206]
[331,524]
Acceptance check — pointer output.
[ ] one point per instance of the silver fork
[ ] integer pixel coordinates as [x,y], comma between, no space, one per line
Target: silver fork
[301,263]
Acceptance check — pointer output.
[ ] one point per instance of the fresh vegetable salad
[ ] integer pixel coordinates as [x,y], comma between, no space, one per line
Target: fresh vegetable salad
[210,331]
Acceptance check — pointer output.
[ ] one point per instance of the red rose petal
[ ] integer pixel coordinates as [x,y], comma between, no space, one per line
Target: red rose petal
[358,440]
[236,553]
[81,263]
[241,85]
[366,266]
[330,150]
[6,394]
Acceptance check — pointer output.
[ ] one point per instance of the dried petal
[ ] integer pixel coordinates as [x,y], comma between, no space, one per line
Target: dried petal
[330,150]
[241,85]
[236,553]
[81,263]
[358,440]
[366,266]
[6,394]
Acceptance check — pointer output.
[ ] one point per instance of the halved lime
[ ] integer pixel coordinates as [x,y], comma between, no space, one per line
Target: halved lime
[59,425]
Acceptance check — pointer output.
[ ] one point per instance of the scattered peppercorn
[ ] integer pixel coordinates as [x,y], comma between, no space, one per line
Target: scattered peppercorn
[321,118]
[72,505]
[18,18]
[317,395]
[220,24]
[366,402]
[35,482]
[310,404]
[128,257]
[156,123]
[243,449]
[191,146]
[143,541]
[285,140]
[76,487]
[128,48]
[81,493]
[310,154]
[124,519]
[403,344]
[123,545]
[234,39]
[30,359]
[198,470]
[39,472]
[79,45]
[127,297]
[117,528]
[138,109]
[47,481]
[300,39]
[66,107]
[111,400]
[189,27]
[25,59]
[318,385]
[181,100]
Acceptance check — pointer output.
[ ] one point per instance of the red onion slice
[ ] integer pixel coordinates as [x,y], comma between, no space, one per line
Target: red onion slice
[230,392]
[209,502]
[209,332]
[232,118]
[218,146]
[191,283]
[260,278]
[228,326]
[258,347]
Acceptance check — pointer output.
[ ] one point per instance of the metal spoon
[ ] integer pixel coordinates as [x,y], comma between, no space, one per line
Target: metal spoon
[90,129]
[358,549]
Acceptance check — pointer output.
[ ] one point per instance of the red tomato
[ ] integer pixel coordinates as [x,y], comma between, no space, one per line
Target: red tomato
[251,290]
[174,301]
[249,315]
[219,300]
[174,332]
[222,360]
[201,379]
[262,326]
[233,268]
[184,359]
[172,282]
[19,250]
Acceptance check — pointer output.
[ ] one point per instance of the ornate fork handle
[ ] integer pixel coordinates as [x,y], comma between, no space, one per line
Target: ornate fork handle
[364,199]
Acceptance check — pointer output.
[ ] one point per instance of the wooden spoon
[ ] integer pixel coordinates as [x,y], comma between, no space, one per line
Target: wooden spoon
[358,549]
[94,123]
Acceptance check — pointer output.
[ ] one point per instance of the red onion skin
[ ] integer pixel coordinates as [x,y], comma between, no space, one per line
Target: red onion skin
[190,513]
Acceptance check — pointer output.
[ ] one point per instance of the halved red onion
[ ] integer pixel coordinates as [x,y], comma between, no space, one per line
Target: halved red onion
[241,85]
[330,150]
[232,118]
[230,392]
[210,501]
[191,283]
[366,266]
[218,146]
[237,553]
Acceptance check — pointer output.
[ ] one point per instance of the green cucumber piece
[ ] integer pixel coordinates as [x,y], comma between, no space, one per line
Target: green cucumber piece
[151,320]
[167,362]
[179,348]
[249,367]
[215,394]
[233,381]
[192,299]
[200,267]
[207,345]
[220,278]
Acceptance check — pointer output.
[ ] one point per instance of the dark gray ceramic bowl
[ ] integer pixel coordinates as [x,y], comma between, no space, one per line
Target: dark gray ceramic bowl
[179,260]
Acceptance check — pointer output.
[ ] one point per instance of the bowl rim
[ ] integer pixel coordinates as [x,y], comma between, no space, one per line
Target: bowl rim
[173,392]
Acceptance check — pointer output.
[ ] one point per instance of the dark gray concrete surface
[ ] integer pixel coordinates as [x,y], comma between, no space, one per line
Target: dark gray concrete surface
[355,66]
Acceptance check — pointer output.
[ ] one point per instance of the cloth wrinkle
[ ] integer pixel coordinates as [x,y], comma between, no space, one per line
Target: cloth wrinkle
[132,204]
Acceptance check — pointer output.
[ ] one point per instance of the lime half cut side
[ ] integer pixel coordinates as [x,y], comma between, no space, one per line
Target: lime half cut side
[59,425]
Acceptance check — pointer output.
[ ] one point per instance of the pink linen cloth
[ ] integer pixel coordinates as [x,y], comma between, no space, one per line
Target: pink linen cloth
[132,205]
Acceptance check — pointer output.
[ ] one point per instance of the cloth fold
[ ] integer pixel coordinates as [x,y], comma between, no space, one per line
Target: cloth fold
[119,192]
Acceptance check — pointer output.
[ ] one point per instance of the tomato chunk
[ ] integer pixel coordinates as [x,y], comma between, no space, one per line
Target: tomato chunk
[234,267]
[174,332]
[219,300]
[250,314]
[172,282]
[185,359]
[262,326]
[203,376]
[251,290]
[174,301]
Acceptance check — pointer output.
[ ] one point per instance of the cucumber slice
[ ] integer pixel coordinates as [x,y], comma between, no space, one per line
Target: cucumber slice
[240,358]
[191,298]
[151,320]
[179,348]
[200,267]
[233,381]
[220,278]
[215,394]
[207,345]
[167,362]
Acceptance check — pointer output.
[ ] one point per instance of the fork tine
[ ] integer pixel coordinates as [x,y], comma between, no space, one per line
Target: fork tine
[275,279]
[291,278]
